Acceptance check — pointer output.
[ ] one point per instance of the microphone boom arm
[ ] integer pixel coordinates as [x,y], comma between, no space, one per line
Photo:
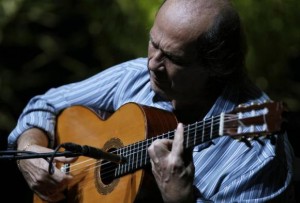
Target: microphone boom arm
[16,155]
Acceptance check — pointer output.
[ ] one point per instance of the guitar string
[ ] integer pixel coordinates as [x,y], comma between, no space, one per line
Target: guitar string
[108,170]
[147,157]
[207,122]
[172,135]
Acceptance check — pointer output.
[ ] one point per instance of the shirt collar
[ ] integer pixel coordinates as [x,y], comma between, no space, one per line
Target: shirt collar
[161,103]
[226,102]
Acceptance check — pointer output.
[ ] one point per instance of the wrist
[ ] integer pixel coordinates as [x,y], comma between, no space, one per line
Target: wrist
[31,137]
[25,147]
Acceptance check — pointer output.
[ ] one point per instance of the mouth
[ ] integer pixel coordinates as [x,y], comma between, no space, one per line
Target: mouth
[159,80]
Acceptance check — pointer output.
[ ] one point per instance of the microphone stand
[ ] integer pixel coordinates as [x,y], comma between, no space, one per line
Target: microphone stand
[73,150]
[16,155]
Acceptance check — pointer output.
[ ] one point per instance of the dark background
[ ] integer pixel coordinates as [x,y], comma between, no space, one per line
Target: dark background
[48,43]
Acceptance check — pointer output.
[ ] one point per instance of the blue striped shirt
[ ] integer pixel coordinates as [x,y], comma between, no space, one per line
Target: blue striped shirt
[226,170]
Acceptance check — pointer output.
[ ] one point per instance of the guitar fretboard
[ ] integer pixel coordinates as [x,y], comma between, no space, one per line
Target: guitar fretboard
[137,154]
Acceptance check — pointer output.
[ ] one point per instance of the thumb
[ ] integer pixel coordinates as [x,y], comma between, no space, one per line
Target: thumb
[177,147]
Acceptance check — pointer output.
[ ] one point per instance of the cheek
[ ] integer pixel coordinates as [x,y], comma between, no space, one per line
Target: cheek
[172,71]
[189,79]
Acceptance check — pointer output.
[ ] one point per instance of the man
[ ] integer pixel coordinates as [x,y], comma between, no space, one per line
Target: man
[195,69]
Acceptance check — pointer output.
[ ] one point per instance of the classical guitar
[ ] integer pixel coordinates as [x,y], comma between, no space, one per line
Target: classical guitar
[130,131]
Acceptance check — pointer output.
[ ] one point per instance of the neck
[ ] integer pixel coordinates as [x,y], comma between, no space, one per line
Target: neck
[188,112]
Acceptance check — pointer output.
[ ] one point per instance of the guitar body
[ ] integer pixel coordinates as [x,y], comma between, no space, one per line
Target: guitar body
[129,124]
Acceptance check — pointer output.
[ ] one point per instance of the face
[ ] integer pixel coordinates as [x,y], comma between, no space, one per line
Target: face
[173,64]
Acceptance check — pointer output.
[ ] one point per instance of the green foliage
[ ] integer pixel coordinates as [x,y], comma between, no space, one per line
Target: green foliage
[274,46]
[52,42]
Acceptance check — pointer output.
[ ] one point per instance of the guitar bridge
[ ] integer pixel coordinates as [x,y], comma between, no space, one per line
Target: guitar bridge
[65,168]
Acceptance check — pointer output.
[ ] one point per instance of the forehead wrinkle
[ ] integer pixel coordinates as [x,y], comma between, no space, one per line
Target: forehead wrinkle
[164,44]
[179,23]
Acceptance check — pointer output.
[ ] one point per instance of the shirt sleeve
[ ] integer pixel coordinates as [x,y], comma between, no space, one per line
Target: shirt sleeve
[262,179]
[95,92]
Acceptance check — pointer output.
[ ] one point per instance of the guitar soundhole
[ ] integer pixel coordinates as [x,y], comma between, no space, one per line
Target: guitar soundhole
[107,170]
[105,180]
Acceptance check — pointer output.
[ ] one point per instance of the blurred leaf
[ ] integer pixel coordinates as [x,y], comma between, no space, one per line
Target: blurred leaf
[52,42]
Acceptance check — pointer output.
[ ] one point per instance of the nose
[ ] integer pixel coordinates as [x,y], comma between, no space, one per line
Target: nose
[156,60]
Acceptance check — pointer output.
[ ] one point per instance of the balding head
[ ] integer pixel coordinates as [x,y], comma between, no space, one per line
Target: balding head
[192,15]
[215,26]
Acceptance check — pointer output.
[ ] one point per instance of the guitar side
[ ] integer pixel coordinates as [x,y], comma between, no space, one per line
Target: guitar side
[129,124]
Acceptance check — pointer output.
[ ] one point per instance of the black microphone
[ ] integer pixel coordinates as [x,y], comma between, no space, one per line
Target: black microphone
[93,152]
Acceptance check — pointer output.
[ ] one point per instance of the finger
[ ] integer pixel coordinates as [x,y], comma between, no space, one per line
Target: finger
[177,147]
[42,174]
[159,148]
[155,170]
[155,165]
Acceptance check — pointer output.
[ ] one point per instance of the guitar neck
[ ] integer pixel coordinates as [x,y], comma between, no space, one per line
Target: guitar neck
[136,154]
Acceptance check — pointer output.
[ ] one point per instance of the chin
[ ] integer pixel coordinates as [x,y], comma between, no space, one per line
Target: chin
[159,91]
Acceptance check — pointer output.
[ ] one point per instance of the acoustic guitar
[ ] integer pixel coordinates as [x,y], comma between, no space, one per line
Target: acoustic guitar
[130,131]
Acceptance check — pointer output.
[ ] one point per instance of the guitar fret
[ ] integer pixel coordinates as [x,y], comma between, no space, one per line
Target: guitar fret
[123,165]
[133,157]
[141,152]
[203,130]
[147,144]
[132,153]
[221,127]
[240,128]
[146,153]
[137,155]
[129,161]
[119,169]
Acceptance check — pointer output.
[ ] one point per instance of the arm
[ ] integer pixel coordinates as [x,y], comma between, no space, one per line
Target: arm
[104,91]
[32,136]
[35,171]
[35,130]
